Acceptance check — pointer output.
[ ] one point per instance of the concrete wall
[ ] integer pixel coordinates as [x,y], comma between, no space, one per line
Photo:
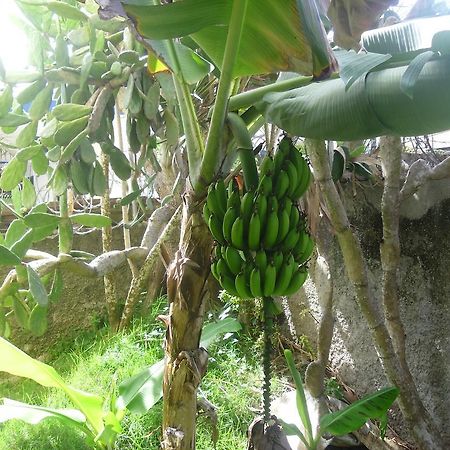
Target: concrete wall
[425,302]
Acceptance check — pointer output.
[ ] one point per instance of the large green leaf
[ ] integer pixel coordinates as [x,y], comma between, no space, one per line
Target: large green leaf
[140,392]
[16,362]
[91,220]
[357,414]
[274,37]
[375,105]
[12,409]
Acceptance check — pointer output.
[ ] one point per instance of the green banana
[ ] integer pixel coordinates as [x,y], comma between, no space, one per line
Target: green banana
[254,231]
[278,159]
[270,276]
[266,166]
[307,248]
[223,270]
[228,219]
[297,280]
[272,203]
[216,229]
[233,259]
[277,260]
[218,252]
[294,217]
[265,185]
[221,194]
[283,228]
[214,204]
[281,184]
[304,182]
[255,283]
[234,200]
[241,286]
[228,284]
[261,260]
[206,213]
[271,230]
[214,271]
[247,205]
[237,234]
[292,174]
[284,275]
[291,239]
[261,208]
[286,204]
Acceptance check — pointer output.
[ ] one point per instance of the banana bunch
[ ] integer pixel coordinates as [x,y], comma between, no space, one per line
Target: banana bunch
[262,240]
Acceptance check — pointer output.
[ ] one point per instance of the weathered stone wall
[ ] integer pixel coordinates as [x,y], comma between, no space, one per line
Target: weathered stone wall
[425,301]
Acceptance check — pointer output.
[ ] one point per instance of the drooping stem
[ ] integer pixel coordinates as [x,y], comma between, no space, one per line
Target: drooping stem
[268,329]
[212,150]
[419,420]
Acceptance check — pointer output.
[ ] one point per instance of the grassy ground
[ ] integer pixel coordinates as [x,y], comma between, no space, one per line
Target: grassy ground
[96,363]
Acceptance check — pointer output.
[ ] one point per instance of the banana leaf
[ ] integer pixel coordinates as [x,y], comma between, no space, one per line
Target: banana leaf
[354,416]
[277,35]
[374,105]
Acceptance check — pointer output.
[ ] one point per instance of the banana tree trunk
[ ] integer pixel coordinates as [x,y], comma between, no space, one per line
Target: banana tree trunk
[185,361]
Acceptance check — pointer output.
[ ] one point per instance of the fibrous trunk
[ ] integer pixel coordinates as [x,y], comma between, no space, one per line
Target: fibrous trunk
[185,361]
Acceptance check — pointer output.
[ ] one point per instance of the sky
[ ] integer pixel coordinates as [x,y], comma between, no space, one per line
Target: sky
[13,42]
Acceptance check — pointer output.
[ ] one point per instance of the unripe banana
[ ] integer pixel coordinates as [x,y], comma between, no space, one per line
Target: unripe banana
[261,208]
[234,200]
[254,232]
[216,229]
[303,182]
[255,283]
[242,288]
[206,213]
[291,239]
[232,187]
[266,166]
[279,158]
[270,276]
[291,171]
[294,217]
[272,203]
[261,260]
[214,270]
[221,194]
[265,185]
[213,203]
[308,247]
[286,204]
[218,252]
[283,225]
[284,275]
[247,206]
[228,220]
[223,269]
[271,231]
[298,278]
[237,234]
[282,184]
[228,284]
[233,259]
[277,260]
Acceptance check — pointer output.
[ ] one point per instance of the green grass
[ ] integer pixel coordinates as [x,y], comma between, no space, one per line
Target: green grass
[98,363]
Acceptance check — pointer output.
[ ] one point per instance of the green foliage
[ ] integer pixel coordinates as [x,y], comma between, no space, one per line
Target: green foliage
[346,420]
[94,363]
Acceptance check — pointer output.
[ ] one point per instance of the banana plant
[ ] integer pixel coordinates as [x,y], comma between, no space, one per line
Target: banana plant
[339,423]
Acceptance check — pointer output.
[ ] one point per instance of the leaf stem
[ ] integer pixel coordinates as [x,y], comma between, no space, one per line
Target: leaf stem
[212,154]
